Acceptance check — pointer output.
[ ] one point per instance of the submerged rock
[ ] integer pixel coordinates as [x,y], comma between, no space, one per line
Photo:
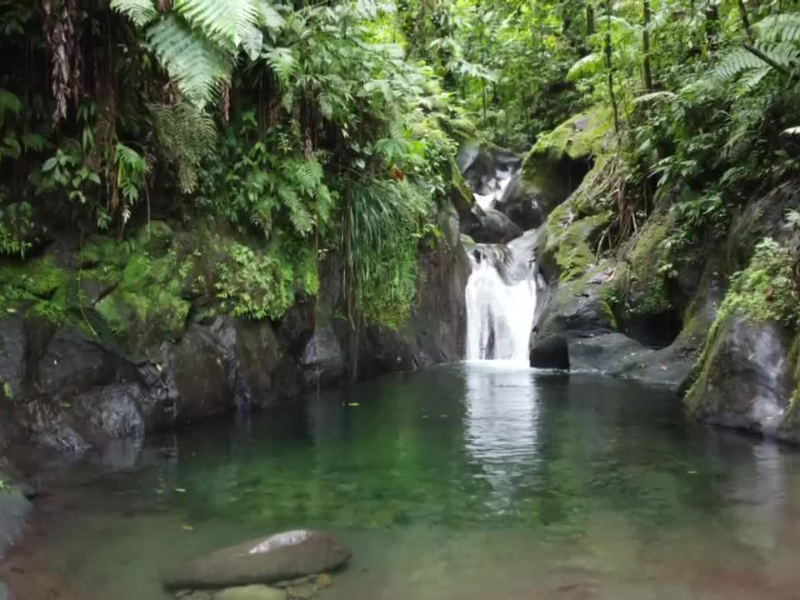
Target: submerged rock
[251,592]
[14,509]
[745,380]
[276,558]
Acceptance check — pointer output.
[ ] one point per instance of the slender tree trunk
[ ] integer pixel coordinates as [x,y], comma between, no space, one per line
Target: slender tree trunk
[610,68]
[589,19]
[712,27]
[746,22]
[648,72]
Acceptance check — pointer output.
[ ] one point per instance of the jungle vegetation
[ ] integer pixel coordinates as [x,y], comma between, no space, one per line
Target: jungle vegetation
[328,129]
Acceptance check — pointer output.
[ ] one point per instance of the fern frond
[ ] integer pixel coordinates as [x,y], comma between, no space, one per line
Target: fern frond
[298,214]
[270,18]
[141,12]
[198,67]
[229,22]
[589,65]
[736,63]
[282,62]
[654,97]
[309,175]
[783,54]
[779,28]
[186,135]
[324,200]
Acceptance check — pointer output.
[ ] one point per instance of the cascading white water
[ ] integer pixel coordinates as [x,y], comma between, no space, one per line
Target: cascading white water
[501,301]
[497,187]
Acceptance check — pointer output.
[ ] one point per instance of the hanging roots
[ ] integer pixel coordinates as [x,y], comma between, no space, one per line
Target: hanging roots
[66,59]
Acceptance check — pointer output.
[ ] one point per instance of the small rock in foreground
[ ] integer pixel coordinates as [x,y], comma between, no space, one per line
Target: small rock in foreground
[280,557]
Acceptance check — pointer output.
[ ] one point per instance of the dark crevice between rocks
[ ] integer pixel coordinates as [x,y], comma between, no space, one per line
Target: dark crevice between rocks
[655,330]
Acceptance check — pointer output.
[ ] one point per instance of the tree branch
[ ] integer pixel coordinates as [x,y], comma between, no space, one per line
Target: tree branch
[761,56]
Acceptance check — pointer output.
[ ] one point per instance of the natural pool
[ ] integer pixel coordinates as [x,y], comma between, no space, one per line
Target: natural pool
[472,481]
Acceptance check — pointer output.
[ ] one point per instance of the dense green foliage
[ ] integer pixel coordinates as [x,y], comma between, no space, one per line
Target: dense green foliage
[304,125]
[327,131]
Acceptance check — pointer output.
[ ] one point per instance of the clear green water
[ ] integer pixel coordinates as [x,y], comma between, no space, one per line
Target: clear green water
[464,482]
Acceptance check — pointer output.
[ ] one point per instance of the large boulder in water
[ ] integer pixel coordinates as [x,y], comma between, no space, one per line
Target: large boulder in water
[523,205]
[266,560]
[495,228]
[745,376]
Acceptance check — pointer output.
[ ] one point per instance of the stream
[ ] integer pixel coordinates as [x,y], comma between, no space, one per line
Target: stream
[480,480]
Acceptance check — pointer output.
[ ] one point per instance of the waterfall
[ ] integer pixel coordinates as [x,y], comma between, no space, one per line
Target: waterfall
[501,300]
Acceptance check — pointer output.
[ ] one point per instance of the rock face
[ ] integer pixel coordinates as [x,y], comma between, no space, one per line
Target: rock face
[552,353]
[276,558]
[139,340]
[745,382]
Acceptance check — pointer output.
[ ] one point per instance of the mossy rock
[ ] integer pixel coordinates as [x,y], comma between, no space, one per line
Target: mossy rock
[101,250]
[560,158]
[578,138]
[144,320]
[37,277]
[644,281]
[461,196]
[571,240]
[155,238]
[583,304]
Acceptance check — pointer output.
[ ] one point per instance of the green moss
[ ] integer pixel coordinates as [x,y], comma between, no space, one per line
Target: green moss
[155,238]
[794,401]
[696,393]
[646,285]
[579,137]
[259,283]
[143,320]
[603,294]
[461,195]
[38,277]
[570,240]
[103,250]
[36,283]
[766,290]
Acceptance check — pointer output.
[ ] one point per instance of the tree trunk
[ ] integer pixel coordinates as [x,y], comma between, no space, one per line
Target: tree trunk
[648,72]
[610,68]
[712,27]
[589,20]
[746,22]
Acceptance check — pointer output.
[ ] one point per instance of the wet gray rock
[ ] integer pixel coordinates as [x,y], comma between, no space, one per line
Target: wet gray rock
[296,327]
[476,164]
[71,364]
[14,509]
[522,205]
[198,371]
[111,412]
[552,353]
[13,348]
[745,380]
[251,592]
[323,359]
[494,228]
[266,560]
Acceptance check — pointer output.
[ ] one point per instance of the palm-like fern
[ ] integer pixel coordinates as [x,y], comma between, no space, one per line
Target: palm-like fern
[197,40]
[778,49]
[186,136]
